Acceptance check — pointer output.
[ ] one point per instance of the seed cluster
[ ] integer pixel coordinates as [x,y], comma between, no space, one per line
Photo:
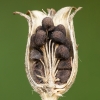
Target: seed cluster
[57,35]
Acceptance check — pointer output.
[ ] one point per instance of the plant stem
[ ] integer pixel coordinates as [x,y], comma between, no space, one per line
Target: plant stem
[46,97]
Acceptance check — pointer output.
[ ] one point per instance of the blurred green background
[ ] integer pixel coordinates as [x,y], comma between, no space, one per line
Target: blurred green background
[13,37]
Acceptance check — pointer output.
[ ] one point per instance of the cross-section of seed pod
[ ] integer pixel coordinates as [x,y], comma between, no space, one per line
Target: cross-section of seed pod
[51,59]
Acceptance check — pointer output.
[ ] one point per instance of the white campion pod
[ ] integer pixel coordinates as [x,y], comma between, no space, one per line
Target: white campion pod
[49,89]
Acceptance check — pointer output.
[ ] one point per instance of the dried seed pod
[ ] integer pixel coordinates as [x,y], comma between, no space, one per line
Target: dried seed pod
[62,52]
[51,82]
[58,37]
[61,28]
[40,38]
[47,24]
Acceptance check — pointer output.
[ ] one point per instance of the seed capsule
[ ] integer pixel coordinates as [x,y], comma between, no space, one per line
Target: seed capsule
[40,38]
[54,73]
[62,52]
[47,24]
[58,37]
[61,28]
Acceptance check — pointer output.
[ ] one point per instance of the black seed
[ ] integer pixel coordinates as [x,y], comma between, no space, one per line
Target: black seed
[68,43]
[37,69]
[36,78]
[39,28]
[61,28]
[58,37]
[63,75]
[47,24]
[35,54]
[39,66]
[37,72]
[32,44]
[62,52]
[64,64]
[40,38]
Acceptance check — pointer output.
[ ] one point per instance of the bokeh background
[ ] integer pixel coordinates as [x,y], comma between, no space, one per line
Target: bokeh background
[13,37]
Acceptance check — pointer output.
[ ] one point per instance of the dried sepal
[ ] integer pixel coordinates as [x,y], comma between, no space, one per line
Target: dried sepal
[51,57]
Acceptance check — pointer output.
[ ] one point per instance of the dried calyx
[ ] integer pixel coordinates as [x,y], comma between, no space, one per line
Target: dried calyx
[51,53]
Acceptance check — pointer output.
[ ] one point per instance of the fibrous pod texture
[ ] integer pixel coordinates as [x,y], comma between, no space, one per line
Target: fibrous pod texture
[51,59]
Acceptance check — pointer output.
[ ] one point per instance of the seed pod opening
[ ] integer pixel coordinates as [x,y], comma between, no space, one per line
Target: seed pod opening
[49,74]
